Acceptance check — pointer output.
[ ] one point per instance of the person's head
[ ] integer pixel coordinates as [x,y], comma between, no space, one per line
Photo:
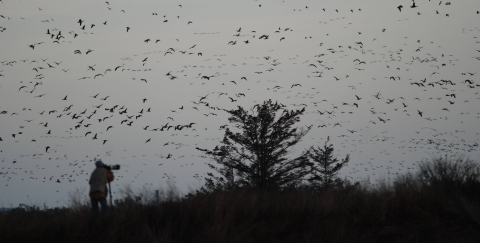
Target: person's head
[98,163]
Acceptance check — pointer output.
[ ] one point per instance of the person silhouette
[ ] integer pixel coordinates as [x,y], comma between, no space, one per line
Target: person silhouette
[98,186]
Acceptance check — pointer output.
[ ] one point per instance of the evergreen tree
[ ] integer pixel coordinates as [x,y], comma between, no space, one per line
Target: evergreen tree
[256,157]
[325,167]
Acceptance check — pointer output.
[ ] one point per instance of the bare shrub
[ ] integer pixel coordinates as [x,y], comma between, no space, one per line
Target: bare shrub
[449,171]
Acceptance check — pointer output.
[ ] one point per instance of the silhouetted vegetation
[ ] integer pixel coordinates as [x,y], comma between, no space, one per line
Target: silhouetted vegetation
[256,157]
[438,204]
[325,167]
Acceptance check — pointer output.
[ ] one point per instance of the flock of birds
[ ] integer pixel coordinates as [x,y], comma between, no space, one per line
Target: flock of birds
[148,109]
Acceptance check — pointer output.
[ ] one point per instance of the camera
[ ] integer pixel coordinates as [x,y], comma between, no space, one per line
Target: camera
[111,167]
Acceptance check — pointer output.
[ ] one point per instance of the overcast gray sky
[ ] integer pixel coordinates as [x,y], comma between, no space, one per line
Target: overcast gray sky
[412,73]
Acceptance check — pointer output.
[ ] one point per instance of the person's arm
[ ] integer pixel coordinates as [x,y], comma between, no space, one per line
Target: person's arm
[110,176]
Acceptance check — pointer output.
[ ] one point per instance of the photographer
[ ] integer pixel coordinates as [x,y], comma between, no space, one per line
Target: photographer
[98,185]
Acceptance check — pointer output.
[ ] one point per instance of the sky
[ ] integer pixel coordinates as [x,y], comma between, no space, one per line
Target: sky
[89,79]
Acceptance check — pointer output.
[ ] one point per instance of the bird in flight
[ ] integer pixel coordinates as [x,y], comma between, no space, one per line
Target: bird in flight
[203,97]
[413,5]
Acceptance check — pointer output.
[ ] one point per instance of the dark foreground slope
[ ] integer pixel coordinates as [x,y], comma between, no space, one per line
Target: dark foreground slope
[413,209]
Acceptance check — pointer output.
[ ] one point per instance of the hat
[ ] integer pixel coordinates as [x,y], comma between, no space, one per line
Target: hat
[98,162]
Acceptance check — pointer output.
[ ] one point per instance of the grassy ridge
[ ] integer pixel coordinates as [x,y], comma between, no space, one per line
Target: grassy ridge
[420,208]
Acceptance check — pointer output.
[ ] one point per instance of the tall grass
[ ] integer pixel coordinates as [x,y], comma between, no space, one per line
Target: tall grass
[438,204]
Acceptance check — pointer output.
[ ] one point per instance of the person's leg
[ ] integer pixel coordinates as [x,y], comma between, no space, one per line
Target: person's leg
[103,203]
[94,205]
